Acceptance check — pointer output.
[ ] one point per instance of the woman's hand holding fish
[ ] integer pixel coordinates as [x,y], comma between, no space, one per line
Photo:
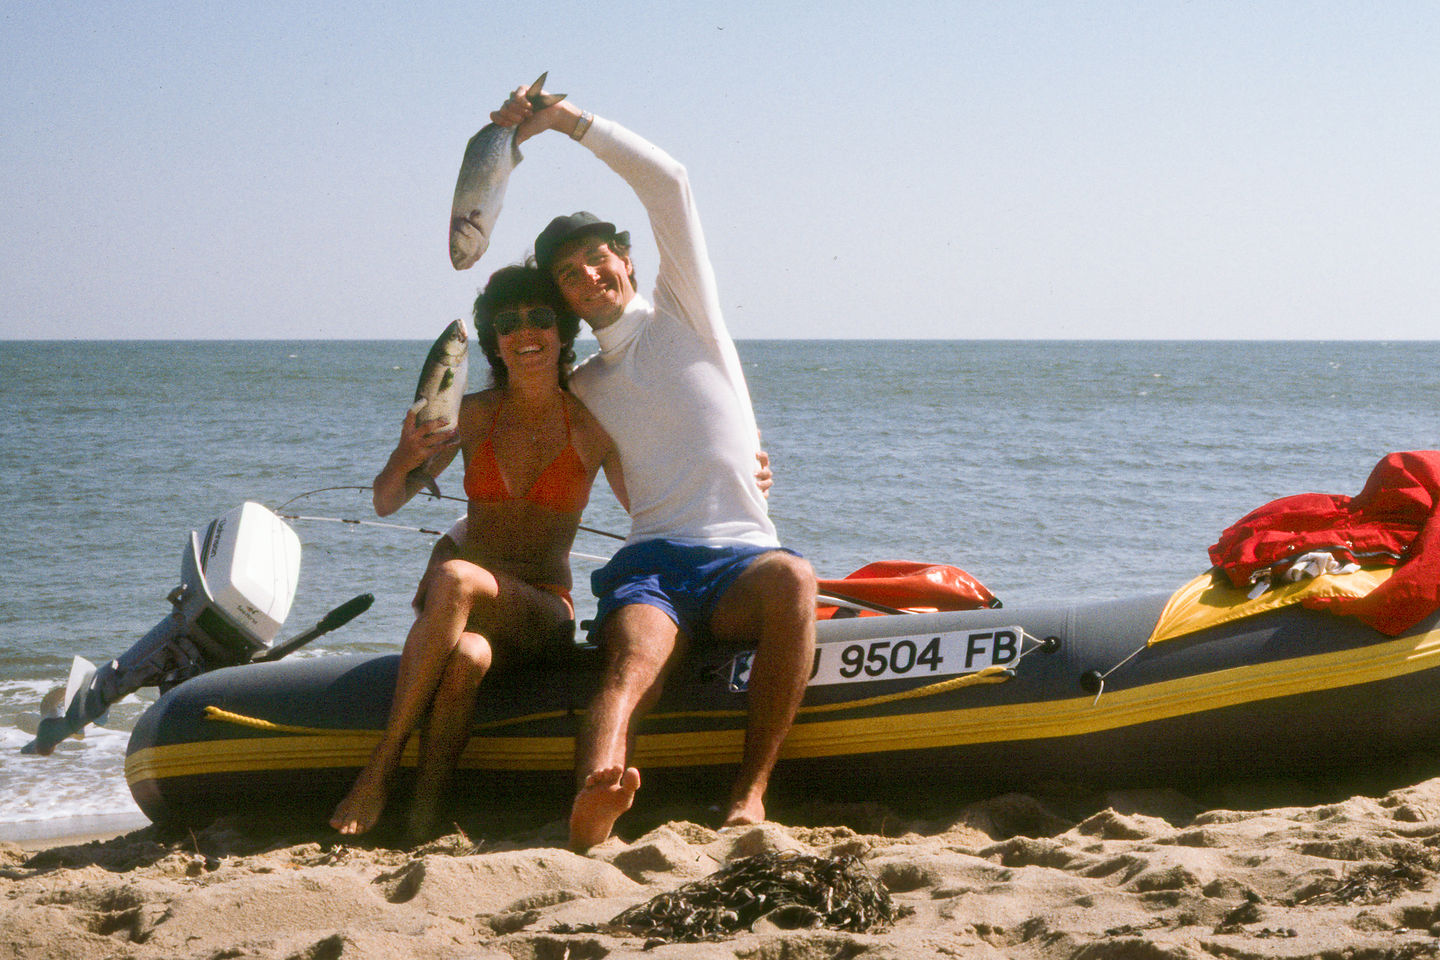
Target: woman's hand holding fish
[421,441]
[424,450]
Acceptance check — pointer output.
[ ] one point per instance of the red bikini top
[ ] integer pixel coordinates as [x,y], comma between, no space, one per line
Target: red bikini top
[563,486]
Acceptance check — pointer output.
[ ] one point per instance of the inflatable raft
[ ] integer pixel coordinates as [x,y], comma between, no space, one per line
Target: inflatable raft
[1174,689]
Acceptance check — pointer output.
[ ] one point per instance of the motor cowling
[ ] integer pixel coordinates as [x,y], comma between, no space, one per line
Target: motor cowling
[237,583]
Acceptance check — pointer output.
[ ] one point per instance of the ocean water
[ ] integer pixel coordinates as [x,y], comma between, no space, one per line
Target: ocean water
[1046,469]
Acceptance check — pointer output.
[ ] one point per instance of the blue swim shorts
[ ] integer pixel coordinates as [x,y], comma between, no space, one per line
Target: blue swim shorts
[685,580]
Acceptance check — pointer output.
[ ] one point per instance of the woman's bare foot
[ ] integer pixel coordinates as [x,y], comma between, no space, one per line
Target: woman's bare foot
[424,818]
[607,794]
[362,806]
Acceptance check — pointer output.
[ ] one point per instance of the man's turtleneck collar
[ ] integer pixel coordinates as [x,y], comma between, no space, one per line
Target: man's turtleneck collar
[615,336]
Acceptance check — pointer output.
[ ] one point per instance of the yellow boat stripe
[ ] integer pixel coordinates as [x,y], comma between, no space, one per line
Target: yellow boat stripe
[987,675]
[825,738]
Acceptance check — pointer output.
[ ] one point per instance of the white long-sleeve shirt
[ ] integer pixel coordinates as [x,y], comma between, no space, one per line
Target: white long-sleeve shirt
[667,384]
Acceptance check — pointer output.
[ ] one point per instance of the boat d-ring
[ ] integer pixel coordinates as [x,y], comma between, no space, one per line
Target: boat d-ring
[1093,681]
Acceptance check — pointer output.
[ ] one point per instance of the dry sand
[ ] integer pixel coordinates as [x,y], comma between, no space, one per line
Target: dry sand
[1269,870]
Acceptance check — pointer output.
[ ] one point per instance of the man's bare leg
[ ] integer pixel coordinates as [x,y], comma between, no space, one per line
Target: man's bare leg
[640,644]
[772,604]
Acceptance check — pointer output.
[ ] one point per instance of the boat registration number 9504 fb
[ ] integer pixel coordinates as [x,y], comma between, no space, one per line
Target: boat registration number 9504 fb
[893,658]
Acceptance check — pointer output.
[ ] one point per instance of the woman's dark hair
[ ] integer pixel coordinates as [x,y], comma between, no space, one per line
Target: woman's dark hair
[521,285]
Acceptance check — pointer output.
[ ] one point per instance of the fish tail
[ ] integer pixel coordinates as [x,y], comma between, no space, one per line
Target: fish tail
[537,96]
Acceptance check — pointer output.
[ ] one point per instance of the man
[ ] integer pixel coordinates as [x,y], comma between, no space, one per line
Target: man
[702,560]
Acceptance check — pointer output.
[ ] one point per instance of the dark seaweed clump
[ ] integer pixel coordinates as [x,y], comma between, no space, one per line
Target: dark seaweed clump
[792,891]
[1380,882]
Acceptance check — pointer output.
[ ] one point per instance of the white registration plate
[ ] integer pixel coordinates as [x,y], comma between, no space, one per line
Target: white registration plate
[890,658]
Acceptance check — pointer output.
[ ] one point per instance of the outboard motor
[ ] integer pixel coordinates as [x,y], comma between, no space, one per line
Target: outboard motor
[236,586]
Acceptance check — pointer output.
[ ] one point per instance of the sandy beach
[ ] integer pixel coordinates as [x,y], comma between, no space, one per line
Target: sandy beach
[1281,869]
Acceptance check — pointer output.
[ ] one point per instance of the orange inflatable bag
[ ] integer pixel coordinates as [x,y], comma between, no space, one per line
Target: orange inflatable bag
[904,586]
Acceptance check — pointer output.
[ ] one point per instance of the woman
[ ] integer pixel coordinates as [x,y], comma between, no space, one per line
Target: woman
[498,593]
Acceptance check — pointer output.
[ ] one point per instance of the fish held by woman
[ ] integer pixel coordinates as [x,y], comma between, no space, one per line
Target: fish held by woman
[442,382]
[489,158]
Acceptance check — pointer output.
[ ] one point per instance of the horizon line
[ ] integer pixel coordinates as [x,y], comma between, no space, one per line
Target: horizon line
[591,339]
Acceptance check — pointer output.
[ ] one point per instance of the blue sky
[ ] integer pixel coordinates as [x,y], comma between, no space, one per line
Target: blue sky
[952,170]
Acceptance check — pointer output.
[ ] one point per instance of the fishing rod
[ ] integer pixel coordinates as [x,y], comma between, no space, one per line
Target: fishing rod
[400,526]
[360,523]
[376,523]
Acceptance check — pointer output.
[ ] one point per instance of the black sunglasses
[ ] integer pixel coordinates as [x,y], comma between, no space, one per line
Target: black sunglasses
[537,318]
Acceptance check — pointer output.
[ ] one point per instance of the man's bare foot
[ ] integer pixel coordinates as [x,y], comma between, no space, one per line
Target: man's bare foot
[607,794]
[744,813]
[362,806]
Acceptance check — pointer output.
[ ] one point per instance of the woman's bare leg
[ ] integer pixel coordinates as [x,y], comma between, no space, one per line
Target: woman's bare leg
[448,729]
[427,651]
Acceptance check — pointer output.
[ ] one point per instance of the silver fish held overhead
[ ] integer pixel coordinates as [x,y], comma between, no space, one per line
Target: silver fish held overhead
[442,382]
[480,189]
